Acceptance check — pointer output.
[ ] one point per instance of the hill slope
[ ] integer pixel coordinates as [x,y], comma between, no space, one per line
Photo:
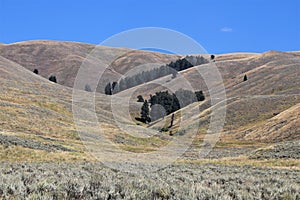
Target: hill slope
[265,108]
[63,59]
[37,121]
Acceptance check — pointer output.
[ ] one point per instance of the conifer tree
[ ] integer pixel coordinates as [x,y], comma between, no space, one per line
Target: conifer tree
[53,79]
[145,112]
[107,89]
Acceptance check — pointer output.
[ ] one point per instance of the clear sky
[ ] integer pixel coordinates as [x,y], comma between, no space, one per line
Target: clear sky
[220,26]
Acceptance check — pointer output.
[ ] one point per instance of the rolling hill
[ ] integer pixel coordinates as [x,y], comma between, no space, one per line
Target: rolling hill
[52,136]
[63,59]
[36,114]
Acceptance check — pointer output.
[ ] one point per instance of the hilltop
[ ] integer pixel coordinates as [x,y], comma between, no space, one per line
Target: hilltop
[63,59]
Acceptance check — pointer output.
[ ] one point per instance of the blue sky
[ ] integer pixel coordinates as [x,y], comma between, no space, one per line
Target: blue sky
[219,26]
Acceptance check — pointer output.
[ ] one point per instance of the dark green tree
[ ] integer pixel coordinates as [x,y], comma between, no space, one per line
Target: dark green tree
[140,98]
[212,57]
[36,71]
[114,87]
[172,120]
[200,96]
[53,79]
[175,103]
[245,78]
[107,89]
[145,112]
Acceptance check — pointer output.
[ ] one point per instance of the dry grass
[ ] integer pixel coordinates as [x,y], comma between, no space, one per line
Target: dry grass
[292,164]
[63,59]
[37,125]
[178,181]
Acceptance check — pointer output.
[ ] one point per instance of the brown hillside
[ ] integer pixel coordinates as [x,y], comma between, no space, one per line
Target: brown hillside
[63,59]
[36,119]
[265,108]
[137,58]
[286,122]
[268,73]
[273,86]
[13,71]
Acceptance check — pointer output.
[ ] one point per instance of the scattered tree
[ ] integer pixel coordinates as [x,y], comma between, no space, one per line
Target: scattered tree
[36,71]
[140,98]
[245,78]
[212,57]
[52,78]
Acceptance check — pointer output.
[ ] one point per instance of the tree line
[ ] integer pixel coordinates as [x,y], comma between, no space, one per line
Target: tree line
[146,76]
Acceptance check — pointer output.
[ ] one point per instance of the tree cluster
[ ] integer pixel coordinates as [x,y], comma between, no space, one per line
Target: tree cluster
[164,103]
[187,62]
[146,76]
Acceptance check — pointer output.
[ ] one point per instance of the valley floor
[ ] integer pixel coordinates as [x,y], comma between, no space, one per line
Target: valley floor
[178,181]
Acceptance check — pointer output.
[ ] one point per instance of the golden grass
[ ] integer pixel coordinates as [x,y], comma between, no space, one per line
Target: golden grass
[18,153]
[233,143]
[293,164]
[54,119]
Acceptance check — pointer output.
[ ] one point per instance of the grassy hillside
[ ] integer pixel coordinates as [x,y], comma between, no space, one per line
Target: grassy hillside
[272,86]
[260,111]
[42,154]
[63,59]
[37,120]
